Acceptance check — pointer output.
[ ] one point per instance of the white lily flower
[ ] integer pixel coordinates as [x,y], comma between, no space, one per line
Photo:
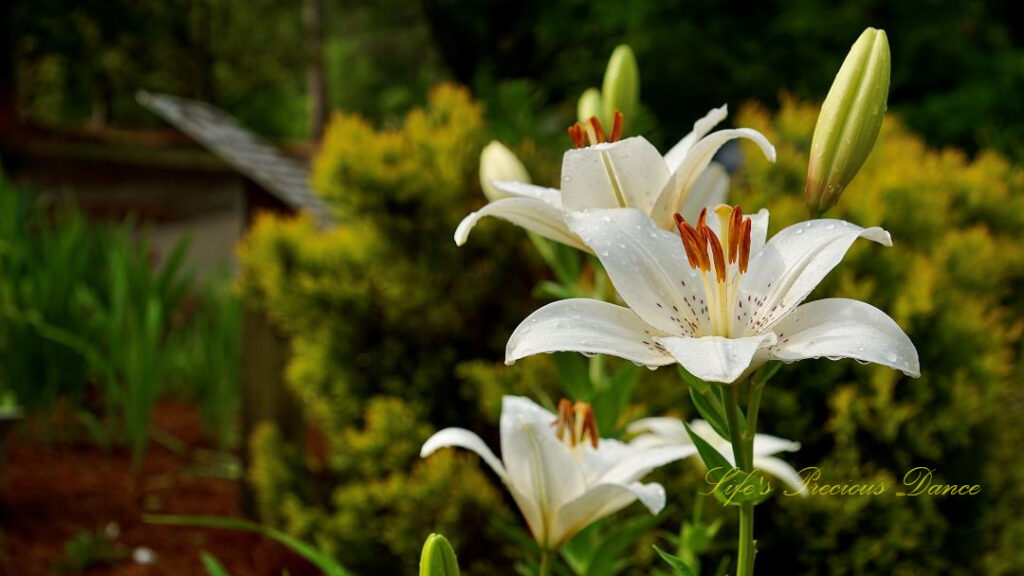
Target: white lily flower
[716,297]
[561,475]
[671,432]
[628,173]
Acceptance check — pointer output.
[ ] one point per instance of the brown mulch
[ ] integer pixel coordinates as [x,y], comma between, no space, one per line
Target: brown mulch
[53,491]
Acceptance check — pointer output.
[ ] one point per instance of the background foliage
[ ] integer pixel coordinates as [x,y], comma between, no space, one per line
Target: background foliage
[956,71]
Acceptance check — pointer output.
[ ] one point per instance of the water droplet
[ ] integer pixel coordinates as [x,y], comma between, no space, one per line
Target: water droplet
[830,227]
[606,219]
[800,231]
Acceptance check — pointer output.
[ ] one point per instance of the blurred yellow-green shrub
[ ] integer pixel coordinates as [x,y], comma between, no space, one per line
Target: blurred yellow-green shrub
[953,281]
[380,310]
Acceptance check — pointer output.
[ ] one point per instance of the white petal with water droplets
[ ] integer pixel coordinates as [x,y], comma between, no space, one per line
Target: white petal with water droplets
[843,328]
[793,262]
[647,265]
[714,358]
[588,326]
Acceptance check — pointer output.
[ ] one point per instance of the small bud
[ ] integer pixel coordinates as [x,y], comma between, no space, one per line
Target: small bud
[438,558]
[850,120]
[499,163]
[589,105]
[621,89]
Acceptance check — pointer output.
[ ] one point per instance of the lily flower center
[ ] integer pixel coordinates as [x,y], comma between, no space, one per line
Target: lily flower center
[576,425]
[590,132]
[705,252]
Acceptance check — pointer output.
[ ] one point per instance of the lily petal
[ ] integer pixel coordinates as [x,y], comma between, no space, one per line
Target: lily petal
[710,189]
[767,445]
[533,214]
[784,472]
[677,154]
[715,358]
[589,326]
[843,328]
[647,265]
[640,463]
[539,466]
[462,438]
[526,190]
[627,173]
[793,262]
[679,184]
[600,501]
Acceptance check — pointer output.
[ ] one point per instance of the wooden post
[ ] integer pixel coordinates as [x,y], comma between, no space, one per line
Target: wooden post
[265,353]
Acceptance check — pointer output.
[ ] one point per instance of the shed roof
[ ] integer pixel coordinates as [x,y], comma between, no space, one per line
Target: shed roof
[254,157]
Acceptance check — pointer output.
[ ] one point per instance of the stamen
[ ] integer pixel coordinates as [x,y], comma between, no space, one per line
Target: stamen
[745,246]
[576,133]
[576,424]
[597,132]
[734,232]
[716,252]
[696,254]
[616,127]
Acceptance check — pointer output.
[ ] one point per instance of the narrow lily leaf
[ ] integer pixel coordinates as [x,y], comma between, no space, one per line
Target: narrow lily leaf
[766,372]
[692,381]
[716,464]
[609,556]
[711,410]
[610,401]
[679,567]
[322,561]
[574,375]
[732,485]
[213,567]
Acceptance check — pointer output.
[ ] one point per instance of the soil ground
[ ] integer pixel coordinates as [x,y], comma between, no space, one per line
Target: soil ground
[53,491]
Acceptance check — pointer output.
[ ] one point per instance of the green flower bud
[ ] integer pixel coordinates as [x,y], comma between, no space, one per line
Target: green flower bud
[438,558]
[590,105]
[621,89]
[499,163]
[850,120]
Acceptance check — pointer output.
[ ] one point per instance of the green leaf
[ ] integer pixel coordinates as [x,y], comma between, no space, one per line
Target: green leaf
[710,408]
[213,567]
[732,485]
[766,372]
[677,563]
[322,561]
[574,375]
[692,381]
[609,557]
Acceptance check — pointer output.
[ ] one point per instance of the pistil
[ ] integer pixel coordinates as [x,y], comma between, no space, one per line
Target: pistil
[729,259]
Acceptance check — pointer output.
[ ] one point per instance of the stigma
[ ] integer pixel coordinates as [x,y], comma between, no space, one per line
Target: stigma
[721,261]
[576,425]
[591,132]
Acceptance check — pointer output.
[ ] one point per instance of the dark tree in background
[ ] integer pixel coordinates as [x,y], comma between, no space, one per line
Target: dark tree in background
[957,69]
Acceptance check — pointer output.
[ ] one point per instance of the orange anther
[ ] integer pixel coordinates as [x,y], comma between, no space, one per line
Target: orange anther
[598,132]
[744,254]
[616,127]
[735,223]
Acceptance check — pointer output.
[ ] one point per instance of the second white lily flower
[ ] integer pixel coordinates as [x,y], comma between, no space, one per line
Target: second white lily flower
[628,173]
[561,475]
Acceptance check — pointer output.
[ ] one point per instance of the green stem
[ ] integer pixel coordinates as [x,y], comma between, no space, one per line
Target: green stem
[745,563]
[545,563]
[743,451]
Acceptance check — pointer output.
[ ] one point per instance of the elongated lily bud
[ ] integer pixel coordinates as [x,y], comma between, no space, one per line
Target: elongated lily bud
[438,558]
[850,120]
[499,163]
[589,105]
[621,88]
